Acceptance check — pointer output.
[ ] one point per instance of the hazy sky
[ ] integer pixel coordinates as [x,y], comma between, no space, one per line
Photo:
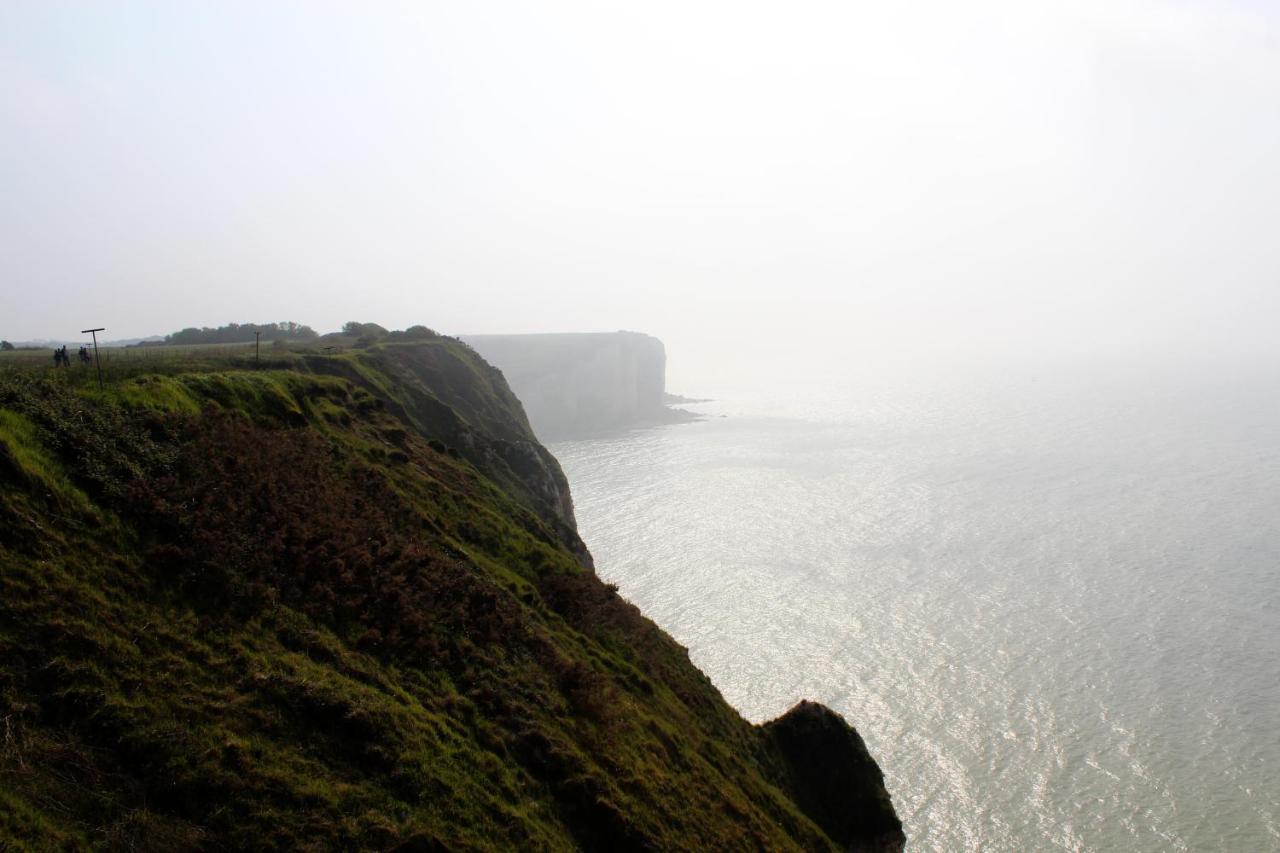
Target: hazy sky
[979,177]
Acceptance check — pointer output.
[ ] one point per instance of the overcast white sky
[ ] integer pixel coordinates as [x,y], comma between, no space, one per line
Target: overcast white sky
[970,177]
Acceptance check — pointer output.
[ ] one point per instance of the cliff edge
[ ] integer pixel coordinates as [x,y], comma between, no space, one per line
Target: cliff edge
[337,601]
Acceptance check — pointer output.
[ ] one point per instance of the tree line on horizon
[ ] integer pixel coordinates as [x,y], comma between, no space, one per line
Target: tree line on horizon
[236,333]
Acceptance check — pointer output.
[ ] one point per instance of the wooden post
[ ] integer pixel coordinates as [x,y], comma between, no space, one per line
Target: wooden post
[96,360]
[257,362]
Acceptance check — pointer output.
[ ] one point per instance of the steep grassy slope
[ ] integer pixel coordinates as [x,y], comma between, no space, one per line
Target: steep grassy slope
[341,604]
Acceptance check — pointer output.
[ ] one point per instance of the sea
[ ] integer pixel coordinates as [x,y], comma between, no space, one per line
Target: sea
[1048,599]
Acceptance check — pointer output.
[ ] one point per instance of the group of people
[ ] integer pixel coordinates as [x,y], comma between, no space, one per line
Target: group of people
[62,359]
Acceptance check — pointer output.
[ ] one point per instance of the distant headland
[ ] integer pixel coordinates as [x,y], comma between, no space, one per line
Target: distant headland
[574,385]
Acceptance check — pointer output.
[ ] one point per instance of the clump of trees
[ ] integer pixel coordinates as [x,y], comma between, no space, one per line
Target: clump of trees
[6,346]
[238,333]
[371,332]
[415,333]
[357,329]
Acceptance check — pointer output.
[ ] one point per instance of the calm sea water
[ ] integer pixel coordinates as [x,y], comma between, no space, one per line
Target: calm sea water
[1050,603]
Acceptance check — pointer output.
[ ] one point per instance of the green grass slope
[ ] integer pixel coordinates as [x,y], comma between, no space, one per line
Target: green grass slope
[338,603]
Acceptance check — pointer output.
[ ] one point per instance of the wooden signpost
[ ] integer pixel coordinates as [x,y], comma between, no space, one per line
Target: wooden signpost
[96,360]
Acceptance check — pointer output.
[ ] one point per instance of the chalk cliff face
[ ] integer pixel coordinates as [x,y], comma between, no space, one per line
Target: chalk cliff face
[577,384]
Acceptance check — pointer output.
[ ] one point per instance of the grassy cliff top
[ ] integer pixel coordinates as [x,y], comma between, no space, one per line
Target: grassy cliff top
[335,599]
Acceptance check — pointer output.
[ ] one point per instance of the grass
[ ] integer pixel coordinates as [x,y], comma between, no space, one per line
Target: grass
[334,602]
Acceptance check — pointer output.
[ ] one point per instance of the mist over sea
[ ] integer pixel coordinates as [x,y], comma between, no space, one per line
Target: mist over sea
[1047,600]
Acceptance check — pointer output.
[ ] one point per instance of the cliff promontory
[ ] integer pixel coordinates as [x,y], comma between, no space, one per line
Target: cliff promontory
[578,384]
[336,600]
